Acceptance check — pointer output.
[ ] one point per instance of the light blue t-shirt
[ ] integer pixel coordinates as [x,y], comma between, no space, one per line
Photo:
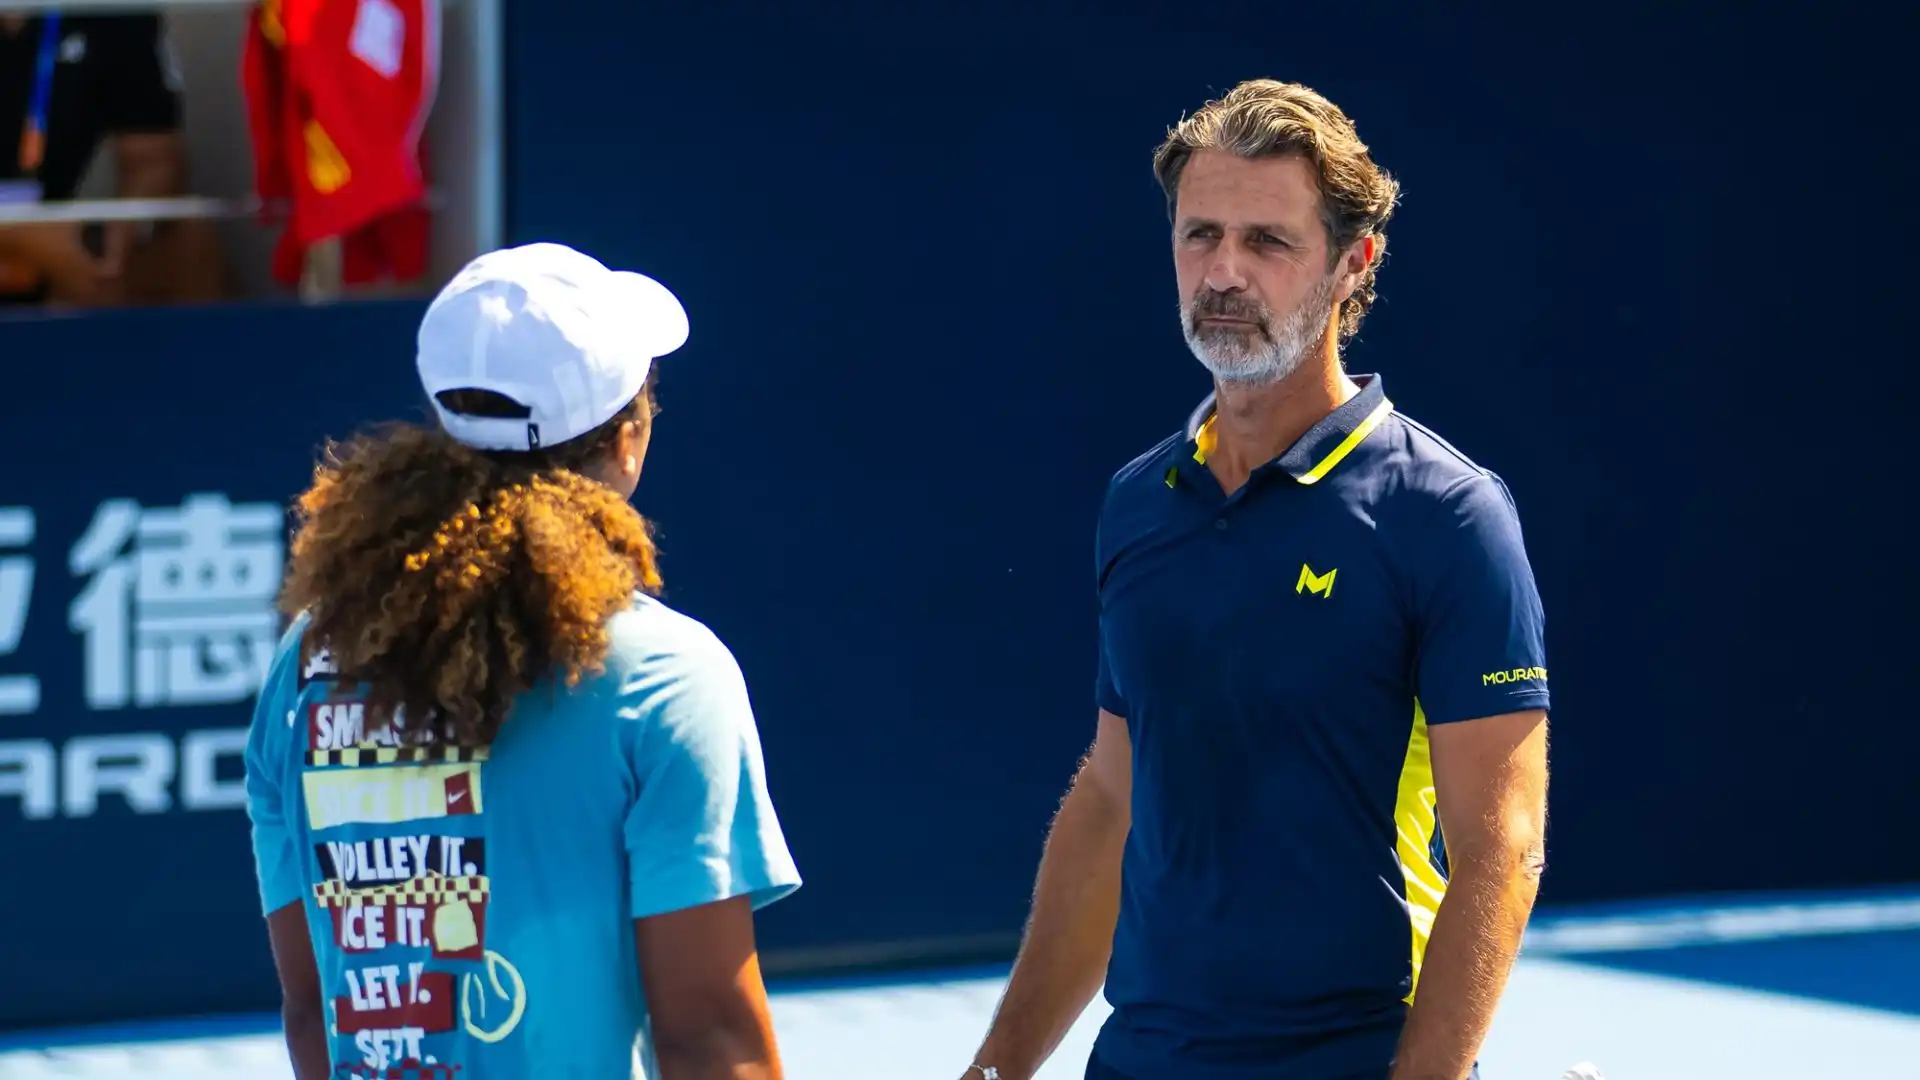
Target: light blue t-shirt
[471,910]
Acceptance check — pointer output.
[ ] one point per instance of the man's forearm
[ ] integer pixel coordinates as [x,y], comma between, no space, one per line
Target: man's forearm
[1069,938]
[1476,935]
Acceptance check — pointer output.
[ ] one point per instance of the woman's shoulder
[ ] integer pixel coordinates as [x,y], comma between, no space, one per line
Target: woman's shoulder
[650,635]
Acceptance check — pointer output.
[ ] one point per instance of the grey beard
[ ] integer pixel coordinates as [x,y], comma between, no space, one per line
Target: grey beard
[1255,360]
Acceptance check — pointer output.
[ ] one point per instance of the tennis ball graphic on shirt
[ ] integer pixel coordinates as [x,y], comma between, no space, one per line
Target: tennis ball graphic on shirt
[512,993]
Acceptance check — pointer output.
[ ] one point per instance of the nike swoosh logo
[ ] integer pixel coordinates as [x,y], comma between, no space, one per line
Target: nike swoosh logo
[451,799]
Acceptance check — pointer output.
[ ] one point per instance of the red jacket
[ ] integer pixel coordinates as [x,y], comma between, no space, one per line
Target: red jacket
[338,92]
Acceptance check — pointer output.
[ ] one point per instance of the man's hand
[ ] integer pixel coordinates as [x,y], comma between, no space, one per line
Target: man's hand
[1076,904]
[1490,783]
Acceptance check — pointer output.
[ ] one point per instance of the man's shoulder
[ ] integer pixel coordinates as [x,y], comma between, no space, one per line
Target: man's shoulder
[1432,500]
[1419,467]
[1428,453]
[1149,468]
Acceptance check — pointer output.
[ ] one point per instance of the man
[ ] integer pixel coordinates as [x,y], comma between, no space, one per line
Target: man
[68,83]
[1317,624]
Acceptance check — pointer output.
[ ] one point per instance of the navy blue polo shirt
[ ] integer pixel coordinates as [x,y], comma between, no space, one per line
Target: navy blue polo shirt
[1279,656]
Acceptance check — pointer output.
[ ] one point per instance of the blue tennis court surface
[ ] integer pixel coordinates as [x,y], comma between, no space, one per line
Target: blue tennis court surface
[1876,971]
[1860,949]
[1762,988]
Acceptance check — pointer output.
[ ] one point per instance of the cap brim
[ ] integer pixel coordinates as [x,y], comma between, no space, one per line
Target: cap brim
[656,311]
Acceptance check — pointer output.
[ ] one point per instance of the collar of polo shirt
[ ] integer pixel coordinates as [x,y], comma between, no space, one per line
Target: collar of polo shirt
[1323,446]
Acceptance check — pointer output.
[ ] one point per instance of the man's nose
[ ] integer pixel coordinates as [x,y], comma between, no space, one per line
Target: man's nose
[1227,273]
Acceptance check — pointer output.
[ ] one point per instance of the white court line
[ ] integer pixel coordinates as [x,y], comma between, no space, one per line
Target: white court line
[1556,1012]
[1667,930]
[1654,1027]
[1635,1026]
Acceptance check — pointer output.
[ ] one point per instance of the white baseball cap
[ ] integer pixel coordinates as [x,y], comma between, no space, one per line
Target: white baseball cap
[554,330]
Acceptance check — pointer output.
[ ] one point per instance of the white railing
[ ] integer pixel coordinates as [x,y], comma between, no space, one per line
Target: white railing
[180,208]
[183,208]
[103,7]
[485,192]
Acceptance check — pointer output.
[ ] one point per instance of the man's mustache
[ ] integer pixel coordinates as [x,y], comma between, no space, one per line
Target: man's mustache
[1223,306]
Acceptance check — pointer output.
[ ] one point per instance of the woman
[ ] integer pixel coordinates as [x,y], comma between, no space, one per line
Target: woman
[509,812]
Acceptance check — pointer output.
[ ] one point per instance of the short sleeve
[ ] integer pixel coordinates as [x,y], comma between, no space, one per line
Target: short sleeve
[1480,627]
[276,848]
[702,827]
[1106,693]
[141,90]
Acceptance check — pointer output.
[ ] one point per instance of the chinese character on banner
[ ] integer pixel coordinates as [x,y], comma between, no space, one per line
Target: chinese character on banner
[18,693]
[180,609]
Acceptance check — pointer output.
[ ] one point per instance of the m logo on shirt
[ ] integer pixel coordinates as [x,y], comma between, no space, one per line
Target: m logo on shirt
[1320,585]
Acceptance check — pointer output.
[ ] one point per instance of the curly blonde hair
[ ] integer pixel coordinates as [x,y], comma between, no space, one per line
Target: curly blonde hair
[1265,118]
[447,581]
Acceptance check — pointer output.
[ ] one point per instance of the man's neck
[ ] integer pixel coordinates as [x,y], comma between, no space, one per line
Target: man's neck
[11,25]
[1255,423]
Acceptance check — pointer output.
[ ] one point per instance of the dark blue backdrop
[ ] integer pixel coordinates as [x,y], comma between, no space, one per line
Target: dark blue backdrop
[1648,267]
